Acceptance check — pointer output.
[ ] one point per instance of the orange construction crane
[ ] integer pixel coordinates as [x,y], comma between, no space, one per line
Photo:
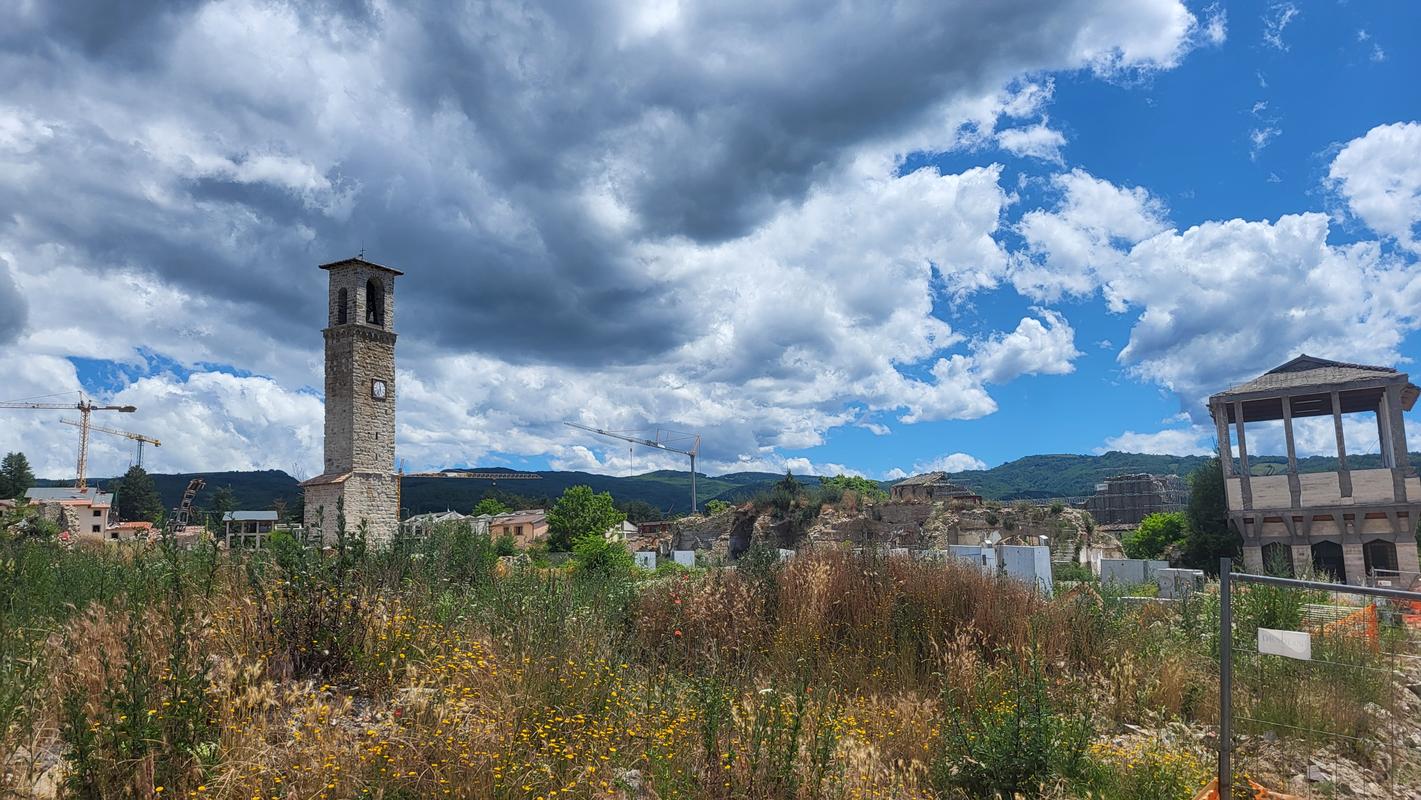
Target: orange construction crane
[137,437]
[84,407]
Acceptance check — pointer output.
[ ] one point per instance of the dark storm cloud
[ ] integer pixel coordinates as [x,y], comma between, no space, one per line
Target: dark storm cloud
[13,309]
[472,151]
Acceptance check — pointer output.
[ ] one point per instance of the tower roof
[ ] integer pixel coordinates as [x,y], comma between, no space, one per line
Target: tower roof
[360,262]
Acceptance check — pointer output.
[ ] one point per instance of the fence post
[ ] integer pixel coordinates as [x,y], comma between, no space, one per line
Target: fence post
[1226,640]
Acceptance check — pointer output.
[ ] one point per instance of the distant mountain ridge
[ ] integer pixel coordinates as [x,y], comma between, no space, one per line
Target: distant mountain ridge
[1031,477]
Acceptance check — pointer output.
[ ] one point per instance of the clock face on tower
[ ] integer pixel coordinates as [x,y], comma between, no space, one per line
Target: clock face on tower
[377,389]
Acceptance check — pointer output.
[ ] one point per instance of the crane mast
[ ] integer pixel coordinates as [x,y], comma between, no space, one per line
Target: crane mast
[85,406]
[661,442]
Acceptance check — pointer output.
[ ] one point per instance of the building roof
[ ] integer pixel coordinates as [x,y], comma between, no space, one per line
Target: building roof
[327,478]
[925,478]
[137,526]
[69,494]
[249,516]
[360,262]
[1307,370]
[438,516]
[531,515]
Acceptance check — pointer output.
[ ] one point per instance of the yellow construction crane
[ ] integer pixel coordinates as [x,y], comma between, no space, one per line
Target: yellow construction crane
[84,407]
[476,474]
[137,437]
[663,441]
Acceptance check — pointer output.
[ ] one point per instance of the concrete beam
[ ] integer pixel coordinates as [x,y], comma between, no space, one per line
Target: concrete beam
[1245,488]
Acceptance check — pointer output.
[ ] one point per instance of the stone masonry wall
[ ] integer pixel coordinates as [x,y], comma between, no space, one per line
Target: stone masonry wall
[370,498]
[360,430]
[922,525]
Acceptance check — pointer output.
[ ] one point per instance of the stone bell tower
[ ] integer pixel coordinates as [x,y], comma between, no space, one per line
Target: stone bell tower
[360,405]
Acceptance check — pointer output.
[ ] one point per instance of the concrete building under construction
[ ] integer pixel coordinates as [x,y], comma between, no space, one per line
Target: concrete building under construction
[1128,499]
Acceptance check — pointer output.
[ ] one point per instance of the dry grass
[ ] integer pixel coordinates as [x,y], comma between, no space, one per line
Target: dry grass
[829,676]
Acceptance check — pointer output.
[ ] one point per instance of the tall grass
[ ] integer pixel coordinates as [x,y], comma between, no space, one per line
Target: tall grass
[422,671]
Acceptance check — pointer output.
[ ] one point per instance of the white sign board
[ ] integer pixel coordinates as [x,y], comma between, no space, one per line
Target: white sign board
[646,559]
[686,558]
[1288,644]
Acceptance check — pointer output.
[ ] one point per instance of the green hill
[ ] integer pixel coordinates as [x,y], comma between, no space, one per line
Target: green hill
[1032,477]
[1047,476]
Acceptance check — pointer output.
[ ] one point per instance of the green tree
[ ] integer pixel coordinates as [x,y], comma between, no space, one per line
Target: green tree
[714,507]
[642,511]
[137,497]
[1156,534]
[16,478]
[490,506]
[1210,537]
[580,512]
[863,487]
[223,501]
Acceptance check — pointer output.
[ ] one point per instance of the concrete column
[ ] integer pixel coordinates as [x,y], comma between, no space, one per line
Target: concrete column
[1406,559]
[1253,558]
[1245,488]
[1354,562]
[1302,560]
[1384,431]
[1344,475]
[1220,413]
[1396,426]
[1295,490]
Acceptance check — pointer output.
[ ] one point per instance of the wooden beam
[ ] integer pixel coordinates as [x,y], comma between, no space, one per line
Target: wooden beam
[1317,388]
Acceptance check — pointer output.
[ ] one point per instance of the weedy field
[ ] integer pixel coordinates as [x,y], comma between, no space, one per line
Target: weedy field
[428,671]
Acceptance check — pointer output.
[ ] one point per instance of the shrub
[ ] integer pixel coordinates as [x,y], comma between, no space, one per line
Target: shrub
[714,507]
[1004,738]
[863,487]
[1071,572]
[595,554]
[1144,770]
[1157,533]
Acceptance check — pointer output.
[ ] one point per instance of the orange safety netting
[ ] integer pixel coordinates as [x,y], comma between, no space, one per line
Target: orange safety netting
[1211,792]
[1359,623]
[1410,612]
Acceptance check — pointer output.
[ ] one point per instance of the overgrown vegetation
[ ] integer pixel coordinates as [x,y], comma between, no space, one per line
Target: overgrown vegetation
[431,668]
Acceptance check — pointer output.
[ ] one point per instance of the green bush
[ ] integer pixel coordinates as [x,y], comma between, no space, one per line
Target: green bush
[1002,737]
[1156,534]
[595,554]
[863,487]
[714,507]
[1071,572]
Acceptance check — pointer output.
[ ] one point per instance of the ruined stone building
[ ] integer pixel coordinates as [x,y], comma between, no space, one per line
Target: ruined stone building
[933,486]
[1128,499]
[1352,523]
[360,405]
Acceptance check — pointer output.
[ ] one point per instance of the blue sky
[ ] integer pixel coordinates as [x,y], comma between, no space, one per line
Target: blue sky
[827,239]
